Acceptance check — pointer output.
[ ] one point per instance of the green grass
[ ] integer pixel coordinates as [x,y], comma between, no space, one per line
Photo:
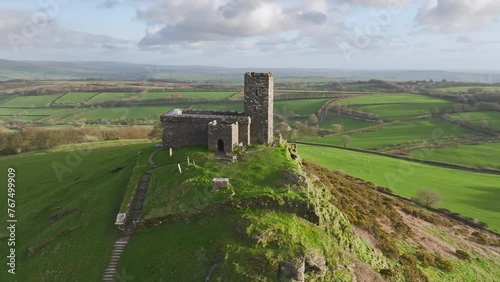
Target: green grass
[206,95]
[10,111]
[396,98]
[134,112]
[303,107]
[26,118]
[471,194]
[219,106]
[89,187]
[185,251]
[492,118]
[111,96]
[44,112]
[256,173]
[347,123]
[401,111]
[76,98]
[67,113]
[480,155]
[466,88]
[399,134]
[31,101]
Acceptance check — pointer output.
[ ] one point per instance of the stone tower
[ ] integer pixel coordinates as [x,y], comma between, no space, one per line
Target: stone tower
[259,98]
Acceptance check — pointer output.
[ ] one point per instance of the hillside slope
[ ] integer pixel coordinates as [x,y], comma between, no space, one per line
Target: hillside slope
[281,219]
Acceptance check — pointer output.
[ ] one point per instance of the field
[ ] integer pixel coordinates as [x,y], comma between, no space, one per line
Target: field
[67,205]
[396,98]
[402,111]
[207,95]
[31,101]
[111,96]
[116,113]
[10,111]
[471,194]
[469,155]
[218,106]
[347,123]
[491,119]
[466,88]
[301,107]
[44,112]
[76,98]
[399,134]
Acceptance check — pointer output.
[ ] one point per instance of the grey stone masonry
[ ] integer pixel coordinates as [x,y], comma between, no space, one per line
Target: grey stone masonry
[188,128]
[259,97]
[222,137]
[224,130]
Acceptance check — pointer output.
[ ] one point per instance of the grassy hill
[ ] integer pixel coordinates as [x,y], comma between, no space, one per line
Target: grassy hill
[281,220]
[67,199]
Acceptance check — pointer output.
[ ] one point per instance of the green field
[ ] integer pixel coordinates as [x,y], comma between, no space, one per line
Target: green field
[76,98]
[135,112]
[218,106]
[476,118]
[471,194]
[466,88]
[10,111]
[480,155]
[402,111]
[66,208]
[44,112]
[31,101]
[111,96]
[205,95]
[4,96]
[25,118]
[396,98]
[347,123]
[301,107]
[399,135]
[67,113]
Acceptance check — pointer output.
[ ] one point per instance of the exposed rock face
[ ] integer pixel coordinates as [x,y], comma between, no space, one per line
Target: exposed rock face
[294,178]
[292,270]
[315,263]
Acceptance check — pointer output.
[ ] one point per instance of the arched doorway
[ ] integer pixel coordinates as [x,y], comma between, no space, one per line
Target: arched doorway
[220,145]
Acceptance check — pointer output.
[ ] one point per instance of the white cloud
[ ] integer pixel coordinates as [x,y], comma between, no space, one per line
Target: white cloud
[397,3]
[173,22]
[24,29]
[447,16]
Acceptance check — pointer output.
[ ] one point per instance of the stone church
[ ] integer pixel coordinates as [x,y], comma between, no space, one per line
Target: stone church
[223,131]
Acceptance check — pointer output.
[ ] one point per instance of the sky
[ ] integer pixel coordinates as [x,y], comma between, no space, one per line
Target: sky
[341,34]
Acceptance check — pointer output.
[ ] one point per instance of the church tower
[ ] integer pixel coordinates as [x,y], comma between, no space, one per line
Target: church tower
[259,96]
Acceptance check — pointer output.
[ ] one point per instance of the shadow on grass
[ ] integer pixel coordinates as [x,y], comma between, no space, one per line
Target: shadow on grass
[485,198]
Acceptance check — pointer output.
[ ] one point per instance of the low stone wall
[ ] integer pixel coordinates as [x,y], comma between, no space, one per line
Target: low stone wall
[302,209]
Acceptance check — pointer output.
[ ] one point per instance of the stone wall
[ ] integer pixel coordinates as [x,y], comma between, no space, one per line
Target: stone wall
[190,128]
[187,132]
[259,98]
[222,137]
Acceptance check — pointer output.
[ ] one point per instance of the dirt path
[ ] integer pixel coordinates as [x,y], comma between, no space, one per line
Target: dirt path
[110,273]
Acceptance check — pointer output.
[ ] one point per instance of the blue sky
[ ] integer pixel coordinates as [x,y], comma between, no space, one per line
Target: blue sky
[350,34]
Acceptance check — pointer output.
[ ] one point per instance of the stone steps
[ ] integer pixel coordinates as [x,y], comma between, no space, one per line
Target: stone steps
[110,271]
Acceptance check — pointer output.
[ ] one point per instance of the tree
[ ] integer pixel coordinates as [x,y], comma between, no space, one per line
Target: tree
[346,140]
[336,128]
[312,120]
[156,133]
[484,124]
[428,197]
[283,128]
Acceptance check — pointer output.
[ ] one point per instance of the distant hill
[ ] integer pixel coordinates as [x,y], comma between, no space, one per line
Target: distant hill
[41,70]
